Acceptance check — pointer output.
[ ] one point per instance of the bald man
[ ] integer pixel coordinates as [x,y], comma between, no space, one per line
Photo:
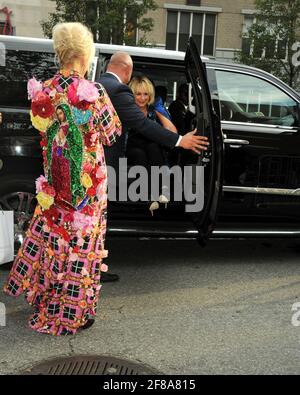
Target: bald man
[115,80]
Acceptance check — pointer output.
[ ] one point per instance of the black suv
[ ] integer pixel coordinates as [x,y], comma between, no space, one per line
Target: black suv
[252,171]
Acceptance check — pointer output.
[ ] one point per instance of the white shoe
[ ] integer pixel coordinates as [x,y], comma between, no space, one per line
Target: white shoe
[163,200]
[153,206]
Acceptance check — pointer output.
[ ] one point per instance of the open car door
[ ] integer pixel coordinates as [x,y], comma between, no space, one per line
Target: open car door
[208,124]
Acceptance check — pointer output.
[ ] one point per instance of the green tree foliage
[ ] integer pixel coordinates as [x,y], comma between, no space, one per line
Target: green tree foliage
[271,39]
[111,21]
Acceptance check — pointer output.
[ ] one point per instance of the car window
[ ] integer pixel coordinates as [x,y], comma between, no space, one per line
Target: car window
[18,68]
[160,75]
[246,98]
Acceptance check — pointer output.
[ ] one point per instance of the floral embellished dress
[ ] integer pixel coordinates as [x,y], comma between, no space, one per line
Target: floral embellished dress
[58,267]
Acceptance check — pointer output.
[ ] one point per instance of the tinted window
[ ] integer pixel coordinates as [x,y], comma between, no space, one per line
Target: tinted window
[19,67]
[245,98]
[162,75]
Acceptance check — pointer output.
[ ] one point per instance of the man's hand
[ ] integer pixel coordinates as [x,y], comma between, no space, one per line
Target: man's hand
[194,143]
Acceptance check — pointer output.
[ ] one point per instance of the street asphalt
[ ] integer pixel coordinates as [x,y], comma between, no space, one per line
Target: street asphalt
[181,309]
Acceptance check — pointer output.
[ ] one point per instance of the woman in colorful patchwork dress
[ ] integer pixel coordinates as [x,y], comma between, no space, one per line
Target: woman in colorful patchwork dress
[59,265]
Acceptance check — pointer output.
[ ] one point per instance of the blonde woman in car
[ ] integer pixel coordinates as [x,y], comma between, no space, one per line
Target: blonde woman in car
[141,150]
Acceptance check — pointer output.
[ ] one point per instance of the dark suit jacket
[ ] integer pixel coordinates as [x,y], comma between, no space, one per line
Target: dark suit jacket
[132,118]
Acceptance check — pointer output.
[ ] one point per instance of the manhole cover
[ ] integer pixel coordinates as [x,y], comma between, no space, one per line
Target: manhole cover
[89,365]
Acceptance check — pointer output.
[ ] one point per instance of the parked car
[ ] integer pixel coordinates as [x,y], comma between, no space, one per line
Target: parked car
[252,170]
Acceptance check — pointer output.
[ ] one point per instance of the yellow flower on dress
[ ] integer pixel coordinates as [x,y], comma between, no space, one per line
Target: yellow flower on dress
[45,201]
[41,124]
[86,181]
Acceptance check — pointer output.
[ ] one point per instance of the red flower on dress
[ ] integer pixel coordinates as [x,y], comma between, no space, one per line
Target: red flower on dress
[87,210]
[63,232]
[48,189]
[83,105]
[43,143]
[69,217]
[88,139]
[41,105]
[51,214]
[91,191]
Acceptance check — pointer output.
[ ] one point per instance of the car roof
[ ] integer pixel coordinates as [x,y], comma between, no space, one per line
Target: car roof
[145,52]
[45,44]
[42,44]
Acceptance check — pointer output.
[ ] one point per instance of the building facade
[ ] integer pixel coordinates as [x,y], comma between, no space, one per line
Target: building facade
[216,25]
[26,16]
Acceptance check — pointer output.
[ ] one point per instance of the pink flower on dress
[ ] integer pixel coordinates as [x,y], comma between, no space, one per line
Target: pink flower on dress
[87,91]
[46,228]
[104,267]
[84,272]
[33,87]
[104,253]
[60,276]
[52,94]
[88,167]
[73,256]
[80,220]
[80,242]
[94,220]
[78,233]
[30,293]
[62,242]
[39,183]
[84,222]
[90,292]
[100,173]
[94,137]
[101,192]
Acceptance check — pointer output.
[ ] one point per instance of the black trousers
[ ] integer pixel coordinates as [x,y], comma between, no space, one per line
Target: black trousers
[144,152]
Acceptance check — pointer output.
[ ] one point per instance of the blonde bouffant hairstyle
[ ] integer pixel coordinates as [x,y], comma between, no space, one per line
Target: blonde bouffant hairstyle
[144,83]
[73,40]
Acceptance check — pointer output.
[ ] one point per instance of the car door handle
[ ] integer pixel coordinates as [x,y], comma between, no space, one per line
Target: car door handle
[235,143]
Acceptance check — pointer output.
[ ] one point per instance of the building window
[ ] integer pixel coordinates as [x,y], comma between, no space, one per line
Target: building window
[183,24]
[193,2]
[4,29]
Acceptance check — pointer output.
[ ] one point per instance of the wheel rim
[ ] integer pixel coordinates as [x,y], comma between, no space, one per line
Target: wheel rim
[23,204]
